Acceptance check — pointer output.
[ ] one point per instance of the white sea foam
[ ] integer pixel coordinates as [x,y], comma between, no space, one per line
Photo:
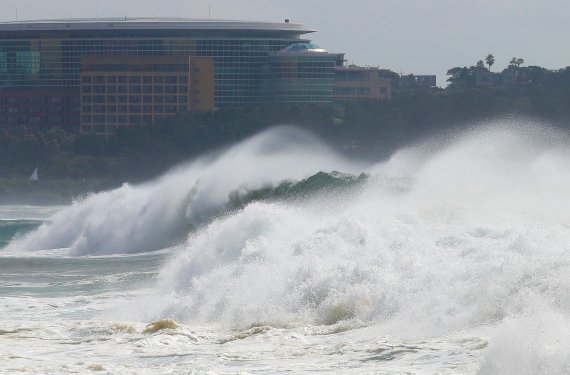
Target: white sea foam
[153,215]
[477,237]
[449,253]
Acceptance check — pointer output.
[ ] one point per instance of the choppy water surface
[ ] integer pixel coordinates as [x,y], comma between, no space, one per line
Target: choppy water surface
[451,257]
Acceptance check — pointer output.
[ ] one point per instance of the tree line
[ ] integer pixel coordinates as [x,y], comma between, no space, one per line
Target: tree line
[367,128]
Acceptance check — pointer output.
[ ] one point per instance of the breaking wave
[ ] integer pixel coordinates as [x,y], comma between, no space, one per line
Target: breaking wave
[467,235]
[155,215]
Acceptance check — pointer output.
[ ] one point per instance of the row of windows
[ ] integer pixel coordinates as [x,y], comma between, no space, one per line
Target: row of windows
[133,108]
[135,67]
[37,100]
[87,79]
[38,109]
[134,89]
[325,93]
[302,75]
[128,118]
[358,90]
[112,99]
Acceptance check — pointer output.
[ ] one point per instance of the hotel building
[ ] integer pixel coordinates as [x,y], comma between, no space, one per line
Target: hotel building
[101,73]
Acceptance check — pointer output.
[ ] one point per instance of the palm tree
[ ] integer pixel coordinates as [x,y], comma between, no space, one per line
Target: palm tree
[490,59]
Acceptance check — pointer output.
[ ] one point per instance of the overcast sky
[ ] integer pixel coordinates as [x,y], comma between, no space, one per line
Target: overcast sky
[409,36]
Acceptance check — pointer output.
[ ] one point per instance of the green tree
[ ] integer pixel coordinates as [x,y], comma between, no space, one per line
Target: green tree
[516,62]
[490,60]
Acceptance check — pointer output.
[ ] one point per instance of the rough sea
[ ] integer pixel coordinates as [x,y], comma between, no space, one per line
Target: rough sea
[278,255]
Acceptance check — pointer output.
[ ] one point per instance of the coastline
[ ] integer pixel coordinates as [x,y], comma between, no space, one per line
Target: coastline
[48,192]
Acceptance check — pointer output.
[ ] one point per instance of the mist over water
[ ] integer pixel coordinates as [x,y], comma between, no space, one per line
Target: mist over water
[154,215]
[466,237]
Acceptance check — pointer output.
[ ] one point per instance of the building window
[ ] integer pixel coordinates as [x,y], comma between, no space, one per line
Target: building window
[99,108]
[135,79]
[86,79]
[135,99]
[111,99]
[99,118]
[122,79]
[147,99]
[112,79]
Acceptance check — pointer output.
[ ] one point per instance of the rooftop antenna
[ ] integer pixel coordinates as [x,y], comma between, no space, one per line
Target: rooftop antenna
[210,11]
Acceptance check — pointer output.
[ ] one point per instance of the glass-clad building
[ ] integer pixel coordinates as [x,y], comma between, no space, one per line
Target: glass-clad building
[301,73]
[40,61]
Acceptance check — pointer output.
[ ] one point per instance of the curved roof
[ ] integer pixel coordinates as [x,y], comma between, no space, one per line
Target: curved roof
[302,48]
[145,23]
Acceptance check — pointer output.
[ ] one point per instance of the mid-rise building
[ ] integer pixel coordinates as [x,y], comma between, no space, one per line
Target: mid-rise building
[357,82]
[42,62]
[301,73]
[412,81]
[123,91]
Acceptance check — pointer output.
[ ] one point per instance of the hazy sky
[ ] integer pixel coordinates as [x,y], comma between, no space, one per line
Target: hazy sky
[410,36]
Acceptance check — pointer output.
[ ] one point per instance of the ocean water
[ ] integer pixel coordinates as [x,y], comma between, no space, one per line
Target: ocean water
[279,255]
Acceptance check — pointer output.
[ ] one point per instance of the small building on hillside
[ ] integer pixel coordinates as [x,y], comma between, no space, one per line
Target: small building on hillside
[357,82]
[411,81]
[508,77]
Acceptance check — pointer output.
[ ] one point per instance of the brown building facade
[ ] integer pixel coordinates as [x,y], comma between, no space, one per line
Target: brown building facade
[132,90]
[357,82]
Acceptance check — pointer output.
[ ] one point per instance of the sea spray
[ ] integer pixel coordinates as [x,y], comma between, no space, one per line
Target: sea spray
[450,257]
[473,237]
[156,214]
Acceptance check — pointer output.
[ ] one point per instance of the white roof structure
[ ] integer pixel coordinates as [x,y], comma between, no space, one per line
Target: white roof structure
[145,23]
